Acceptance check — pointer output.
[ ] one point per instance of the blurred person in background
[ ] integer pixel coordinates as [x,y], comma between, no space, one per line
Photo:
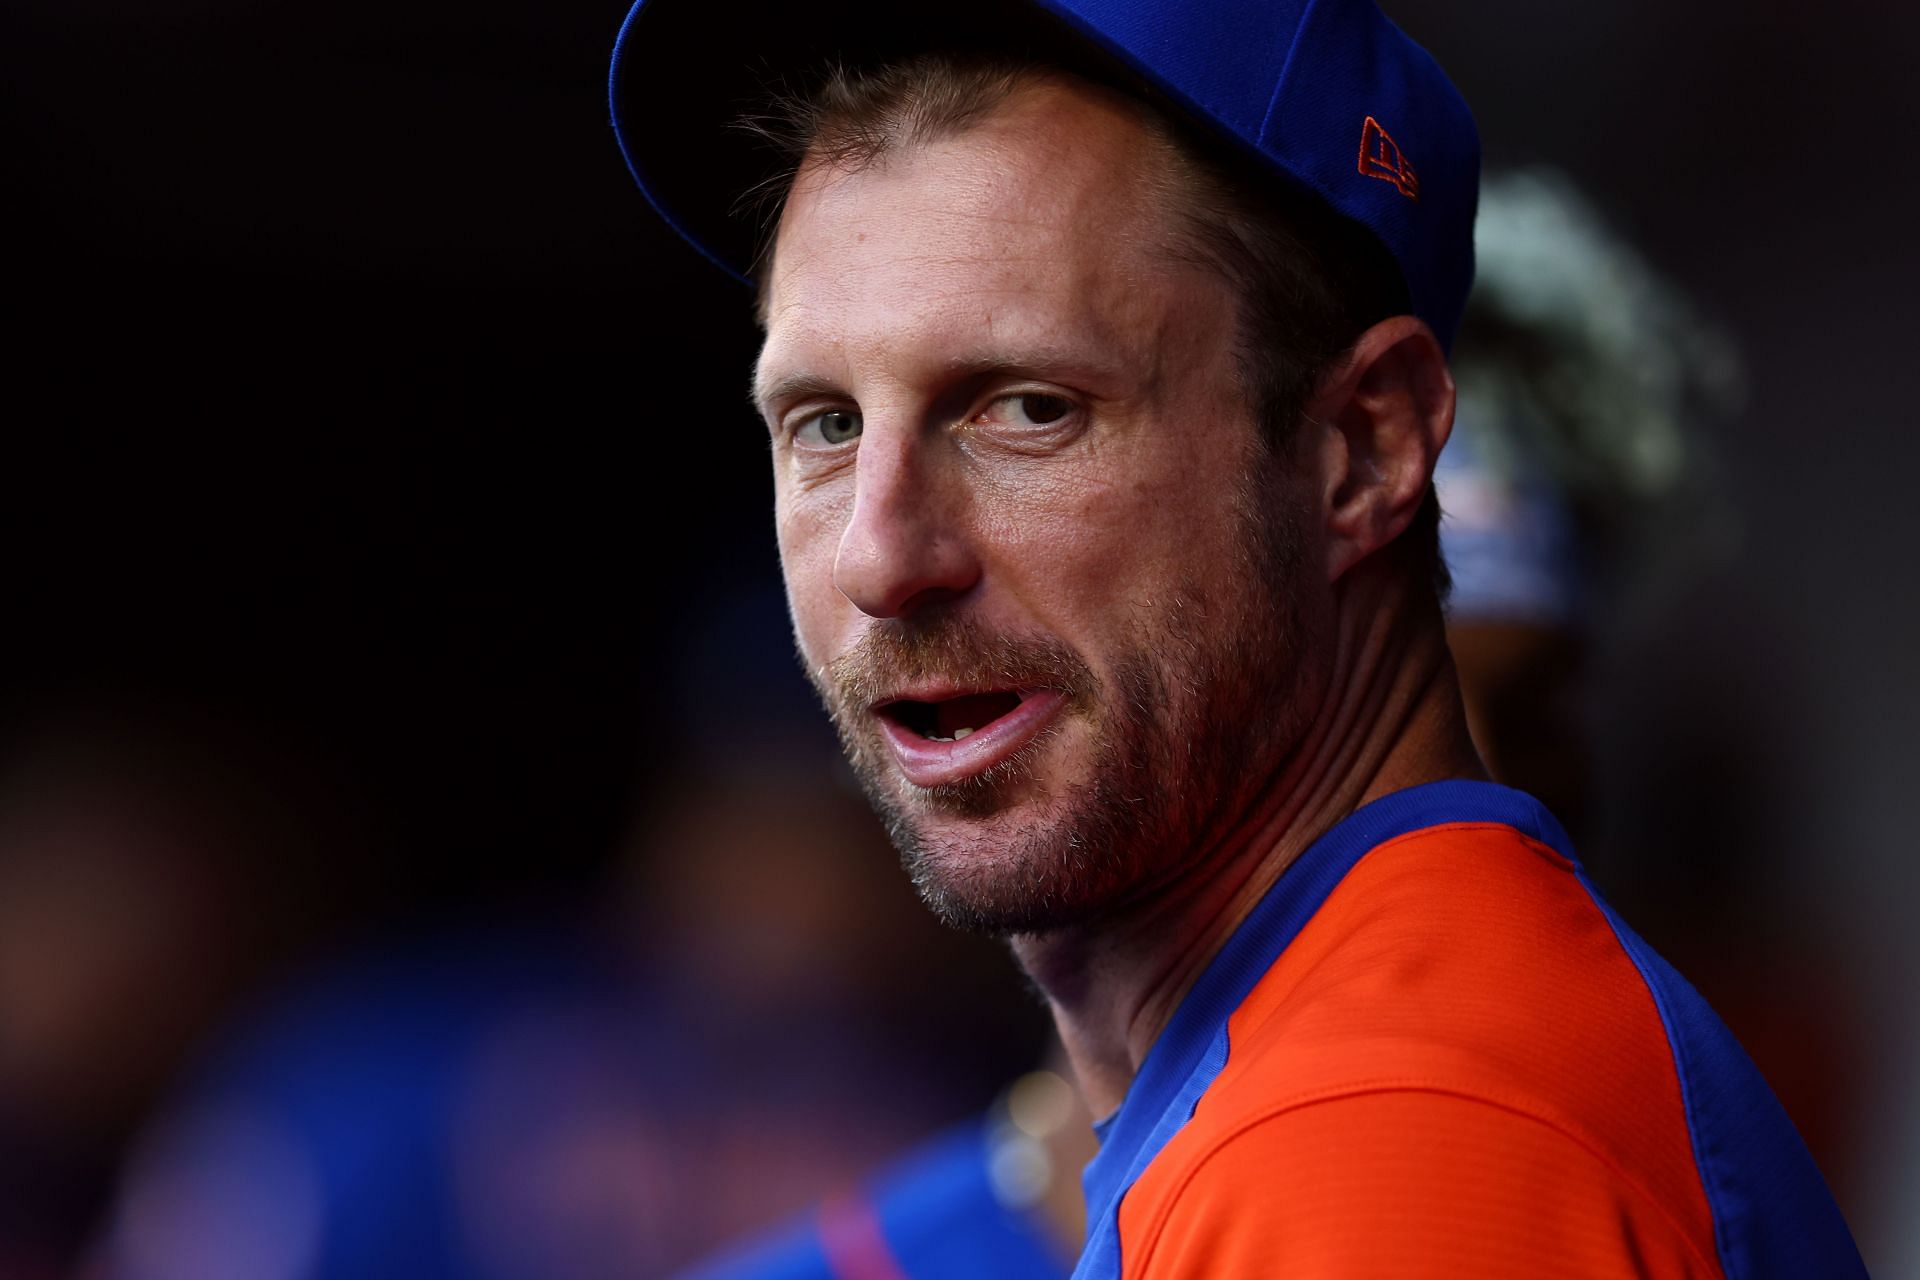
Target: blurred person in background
[157,866]
[605,1090]
[1577,478]
[998,1195]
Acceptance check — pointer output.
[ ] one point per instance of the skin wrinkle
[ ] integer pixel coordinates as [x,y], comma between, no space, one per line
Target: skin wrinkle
[1240,669]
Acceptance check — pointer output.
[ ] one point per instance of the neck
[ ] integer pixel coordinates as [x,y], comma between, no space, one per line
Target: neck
[1390,717]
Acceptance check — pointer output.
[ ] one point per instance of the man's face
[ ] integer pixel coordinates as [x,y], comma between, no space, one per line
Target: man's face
[1041,567]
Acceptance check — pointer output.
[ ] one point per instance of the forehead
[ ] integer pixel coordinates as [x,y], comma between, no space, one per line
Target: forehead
[1046,219]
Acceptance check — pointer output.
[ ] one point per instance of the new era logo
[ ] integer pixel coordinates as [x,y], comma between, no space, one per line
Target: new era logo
[1380,158]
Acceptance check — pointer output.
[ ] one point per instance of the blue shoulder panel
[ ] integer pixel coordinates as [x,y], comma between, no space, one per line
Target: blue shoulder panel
[1773,1217]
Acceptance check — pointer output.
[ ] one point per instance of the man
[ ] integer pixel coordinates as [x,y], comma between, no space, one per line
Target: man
[1105,375]
[1536,482]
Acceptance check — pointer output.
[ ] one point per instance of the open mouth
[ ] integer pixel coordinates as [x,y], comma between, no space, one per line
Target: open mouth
[952,719]
[946,740]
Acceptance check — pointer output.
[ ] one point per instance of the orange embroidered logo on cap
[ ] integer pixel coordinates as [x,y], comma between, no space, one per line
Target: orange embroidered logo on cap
[1380,158]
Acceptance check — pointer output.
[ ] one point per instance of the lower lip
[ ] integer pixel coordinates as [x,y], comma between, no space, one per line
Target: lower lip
[927,763]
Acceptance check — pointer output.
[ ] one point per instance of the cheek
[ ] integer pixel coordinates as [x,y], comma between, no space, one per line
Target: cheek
[807,531]
[1086,559]
[1118,535]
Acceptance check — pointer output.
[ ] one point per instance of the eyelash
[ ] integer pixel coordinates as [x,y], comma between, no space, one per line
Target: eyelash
[802,421]
[1067,401]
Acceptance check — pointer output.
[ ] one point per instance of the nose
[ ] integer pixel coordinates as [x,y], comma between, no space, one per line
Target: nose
[905,545]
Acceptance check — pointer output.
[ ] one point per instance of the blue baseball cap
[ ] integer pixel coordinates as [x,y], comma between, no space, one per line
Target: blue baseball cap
[1328,94]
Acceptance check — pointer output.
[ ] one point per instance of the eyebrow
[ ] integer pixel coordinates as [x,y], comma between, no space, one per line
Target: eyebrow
[1037,360]
[793,386]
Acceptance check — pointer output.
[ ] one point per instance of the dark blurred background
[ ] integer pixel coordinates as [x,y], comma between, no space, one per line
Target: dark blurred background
[387,557]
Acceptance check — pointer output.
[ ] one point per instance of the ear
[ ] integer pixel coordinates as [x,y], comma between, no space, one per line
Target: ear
[1382,415]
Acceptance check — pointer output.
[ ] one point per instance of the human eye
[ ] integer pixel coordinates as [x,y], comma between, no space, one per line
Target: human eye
[1025,409]
[827,428]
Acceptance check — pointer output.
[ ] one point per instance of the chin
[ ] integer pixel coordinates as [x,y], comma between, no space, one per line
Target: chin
[1036,861]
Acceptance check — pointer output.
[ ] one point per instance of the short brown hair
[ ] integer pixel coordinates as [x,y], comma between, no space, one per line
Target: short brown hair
[1310,282]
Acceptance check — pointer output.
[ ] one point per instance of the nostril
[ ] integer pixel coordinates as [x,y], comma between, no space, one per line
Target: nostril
[926,598]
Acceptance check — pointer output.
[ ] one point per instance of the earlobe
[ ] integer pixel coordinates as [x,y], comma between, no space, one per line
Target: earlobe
[1386,410]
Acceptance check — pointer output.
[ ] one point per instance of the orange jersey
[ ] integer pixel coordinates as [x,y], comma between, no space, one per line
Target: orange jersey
[1432,1050]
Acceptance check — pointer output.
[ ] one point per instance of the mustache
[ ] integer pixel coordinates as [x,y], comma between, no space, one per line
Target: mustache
[898,652]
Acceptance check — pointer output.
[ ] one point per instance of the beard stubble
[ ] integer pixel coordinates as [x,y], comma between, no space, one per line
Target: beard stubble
[1196,716]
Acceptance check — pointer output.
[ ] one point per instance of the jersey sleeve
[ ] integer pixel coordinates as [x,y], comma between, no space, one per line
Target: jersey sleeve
[1407,1183]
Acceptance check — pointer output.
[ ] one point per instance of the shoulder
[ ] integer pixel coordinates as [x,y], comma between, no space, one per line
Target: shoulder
[1467,957]
[1408,1182]
[1458,1028]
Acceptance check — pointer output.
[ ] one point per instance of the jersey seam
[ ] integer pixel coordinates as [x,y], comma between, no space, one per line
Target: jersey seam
[1678,1055]
[1384,1087]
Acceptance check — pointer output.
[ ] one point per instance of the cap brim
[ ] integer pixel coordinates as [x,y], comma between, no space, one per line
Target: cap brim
[685,76]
